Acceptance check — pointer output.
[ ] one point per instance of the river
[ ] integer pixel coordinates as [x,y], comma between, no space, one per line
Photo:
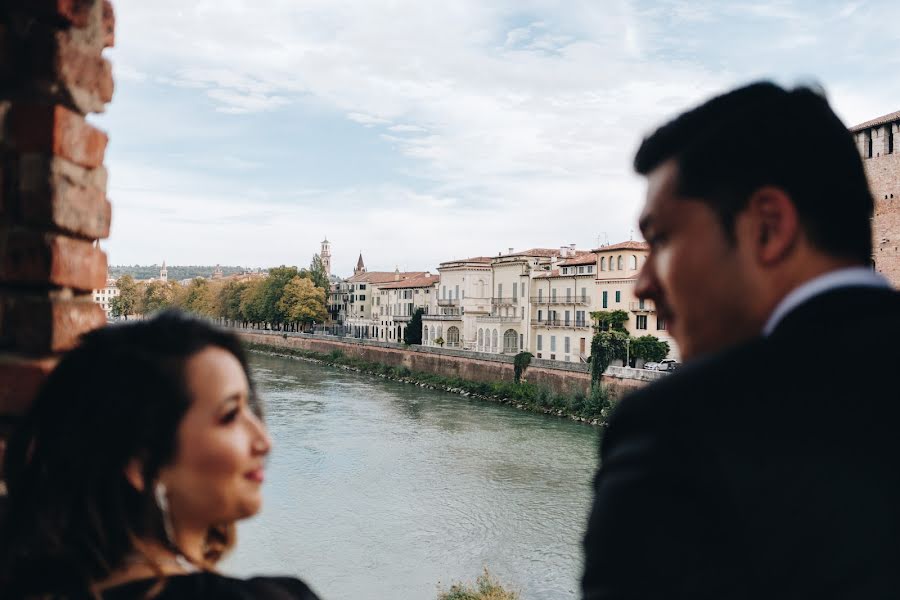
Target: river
[378,490]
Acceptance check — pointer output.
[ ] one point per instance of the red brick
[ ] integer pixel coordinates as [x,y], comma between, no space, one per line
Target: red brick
[58,131]
[20,380]
[54,193]
[109,24]
[35,258]
[39,325]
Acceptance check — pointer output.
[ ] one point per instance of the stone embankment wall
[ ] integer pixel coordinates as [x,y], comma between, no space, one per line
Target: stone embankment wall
[558,377]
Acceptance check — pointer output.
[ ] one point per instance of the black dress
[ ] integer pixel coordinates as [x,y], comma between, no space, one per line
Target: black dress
[212,585]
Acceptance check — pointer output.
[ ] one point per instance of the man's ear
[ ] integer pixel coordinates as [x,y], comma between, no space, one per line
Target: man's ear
[775,222]
[134,473]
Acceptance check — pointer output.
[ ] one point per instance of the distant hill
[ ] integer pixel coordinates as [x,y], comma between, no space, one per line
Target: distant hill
[176,273]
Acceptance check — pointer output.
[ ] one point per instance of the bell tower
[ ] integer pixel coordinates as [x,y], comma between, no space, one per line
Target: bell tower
[325,255]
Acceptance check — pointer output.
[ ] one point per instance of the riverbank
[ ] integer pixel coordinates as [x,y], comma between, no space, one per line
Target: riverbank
[591,408]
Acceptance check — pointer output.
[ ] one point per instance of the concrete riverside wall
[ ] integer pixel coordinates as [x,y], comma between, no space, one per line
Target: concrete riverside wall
[559,377]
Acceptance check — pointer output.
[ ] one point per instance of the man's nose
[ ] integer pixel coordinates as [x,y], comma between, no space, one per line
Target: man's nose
[646,286]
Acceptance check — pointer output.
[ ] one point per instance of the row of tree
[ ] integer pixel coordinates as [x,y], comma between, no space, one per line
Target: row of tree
[613,342]
[285,299]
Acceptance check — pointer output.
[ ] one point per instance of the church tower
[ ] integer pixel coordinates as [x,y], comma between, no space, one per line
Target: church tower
[360,266]
[164,273]
[325,255]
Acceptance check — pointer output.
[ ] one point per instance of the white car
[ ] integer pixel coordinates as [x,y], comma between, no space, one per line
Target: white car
[668,364]
[651,366]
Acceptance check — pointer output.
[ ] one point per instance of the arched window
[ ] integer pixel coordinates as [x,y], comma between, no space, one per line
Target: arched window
[440,331]
[481,339]
[494,341]
[452,337]
[433,337]
[620,264]
[603,263]
[510,342]
[425,334]
[633,262]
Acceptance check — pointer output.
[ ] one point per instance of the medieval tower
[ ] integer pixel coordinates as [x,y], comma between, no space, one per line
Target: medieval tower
[325,255]
[877,143]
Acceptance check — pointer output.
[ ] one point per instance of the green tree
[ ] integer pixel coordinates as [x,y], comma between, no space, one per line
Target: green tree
[649,348]
[520,363]
[229,301]
[127,301]
[302,301]
[413,332]
[198,298]
[251,305]
[317,273]
[157,295]
[272,292]
[606,347]
[610,320]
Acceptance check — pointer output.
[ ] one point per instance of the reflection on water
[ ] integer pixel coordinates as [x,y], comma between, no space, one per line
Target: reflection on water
[380,490]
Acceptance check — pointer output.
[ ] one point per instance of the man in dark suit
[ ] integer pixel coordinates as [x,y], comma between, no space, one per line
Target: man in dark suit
[769,466]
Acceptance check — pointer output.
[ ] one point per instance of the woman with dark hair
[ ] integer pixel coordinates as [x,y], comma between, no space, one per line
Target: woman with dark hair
[143,448]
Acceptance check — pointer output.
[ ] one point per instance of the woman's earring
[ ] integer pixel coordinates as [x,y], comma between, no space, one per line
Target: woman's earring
[162,502]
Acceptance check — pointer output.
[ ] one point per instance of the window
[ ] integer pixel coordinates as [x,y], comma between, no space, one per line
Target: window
[568,295]
[633,262]
[890,139]
[869,144]
[567,320]
[584,294]
[579,318]
[660,324]
[540,295]
[540,315]
[540,344]
[552,295]
[590,268]
[552,343]
[603,264]
[456,294]
[620,263]
[567,345]
[515,291]
[521,341]
[452,337]
[362,286]
[605,300]
[618,296]
[641,322]
[581,269]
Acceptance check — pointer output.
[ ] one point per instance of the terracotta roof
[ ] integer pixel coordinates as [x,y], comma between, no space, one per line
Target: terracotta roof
[416,282]
[545,252]
[584,258]
[476,259]
[894,116]
[629,245]
[547,274]
[383,276]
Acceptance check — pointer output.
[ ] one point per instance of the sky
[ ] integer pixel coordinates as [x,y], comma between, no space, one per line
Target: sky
[243,132]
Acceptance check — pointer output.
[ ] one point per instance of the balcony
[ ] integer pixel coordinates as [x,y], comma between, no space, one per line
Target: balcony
[560,323]
[491,319]
[570,300]
[456,317]
[447,302]
[401,318]
[642,306]
[504,301]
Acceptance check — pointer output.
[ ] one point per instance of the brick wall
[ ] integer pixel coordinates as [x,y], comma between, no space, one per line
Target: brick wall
[53,205]
[883,172]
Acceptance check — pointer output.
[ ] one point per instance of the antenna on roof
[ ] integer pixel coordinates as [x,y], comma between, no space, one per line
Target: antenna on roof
[631,236]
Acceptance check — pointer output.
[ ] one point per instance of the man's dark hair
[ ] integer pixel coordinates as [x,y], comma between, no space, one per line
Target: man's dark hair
[762,135]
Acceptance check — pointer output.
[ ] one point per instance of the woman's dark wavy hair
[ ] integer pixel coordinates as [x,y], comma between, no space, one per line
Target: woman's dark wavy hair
[73,516]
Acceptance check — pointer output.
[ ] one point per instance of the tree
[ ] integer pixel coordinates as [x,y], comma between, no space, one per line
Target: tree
[520,363]
[251,305]
[649,348]
[610,320]
[158,295]
[127,301]
[229,301]
[606,347]
[413,333]
[198,298]
[272,292]
[317,273]
[302,301]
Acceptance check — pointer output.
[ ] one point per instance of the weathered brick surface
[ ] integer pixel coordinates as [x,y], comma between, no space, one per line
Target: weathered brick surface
[35,258]
[55,130]
[884,179]
[38,325]
[57,194]
[20,380]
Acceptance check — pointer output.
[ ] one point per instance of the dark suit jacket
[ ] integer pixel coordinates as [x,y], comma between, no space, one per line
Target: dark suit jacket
[771,470]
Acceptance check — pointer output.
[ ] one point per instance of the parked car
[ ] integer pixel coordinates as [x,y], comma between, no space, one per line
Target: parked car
[668,364]
[651,366]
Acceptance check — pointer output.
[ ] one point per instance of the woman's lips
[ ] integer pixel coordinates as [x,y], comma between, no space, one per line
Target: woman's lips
[257,475]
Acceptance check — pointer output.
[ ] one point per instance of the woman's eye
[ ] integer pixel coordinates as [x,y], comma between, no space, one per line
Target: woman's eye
[231,415]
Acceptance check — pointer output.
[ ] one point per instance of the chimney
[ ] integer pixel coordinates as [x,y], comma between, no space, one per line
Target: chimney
[572,248]
[563,251]
[396,273]
[510,250]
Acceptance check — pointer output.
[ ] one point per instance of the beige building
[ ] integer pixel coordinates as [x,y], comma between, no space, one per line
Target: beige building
[617,269]
[104,296]
[361,292]
[464,293]
[396,301]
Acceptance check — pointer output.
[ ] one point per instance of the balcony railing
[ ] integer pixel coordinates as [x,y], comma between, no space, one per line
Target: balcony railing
[560,323]
[447,302]
[442,317]
[504,301]
[642,306]
[561,300]
[491,319]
